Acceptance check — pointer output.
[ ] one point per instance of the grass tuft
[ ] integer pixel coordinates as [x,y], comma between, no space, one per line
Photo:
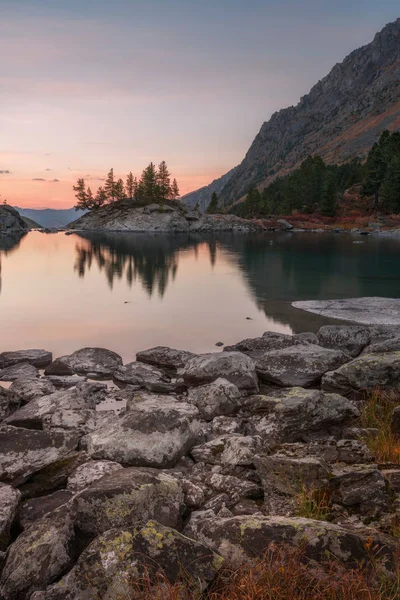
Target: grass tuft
[377,413]
[313,504]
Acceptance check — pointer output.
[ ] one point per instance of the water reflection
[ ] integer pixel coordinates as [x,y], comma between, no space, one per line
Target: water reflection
[8,243]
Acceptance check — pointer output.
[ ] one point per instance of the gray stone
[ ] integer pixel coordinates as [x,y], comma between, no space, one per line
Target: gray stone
[11,222]
[32,388]
[39,555]
[306,336]
[238,538]
[164,357]
[270,341]
[369,311]
[391,345]
[348,451]
[395,420]
[9,402]
[228,450]
[65,381]
[215,399]
[110,563]
[361,489]
[145,376]
[19,371]
[152,434]
[233,366]
[53,476]
[127,498]
[299,365]
[366,372]
[9,501]
[36,508]
[351,339]
[284,225]
[96,362]
[25,451]
[89,472]
[290,415]
[37,358]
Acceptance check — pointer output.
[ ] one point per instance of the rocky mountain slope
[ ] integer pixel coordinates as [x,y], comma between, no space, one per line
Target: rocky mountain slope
[339,119]
[170,217]
[202,196]
[11,221]
[51,217]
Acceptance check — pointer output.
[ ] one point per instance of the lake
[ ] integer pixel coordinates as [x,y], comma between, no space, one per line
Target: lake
[128,292]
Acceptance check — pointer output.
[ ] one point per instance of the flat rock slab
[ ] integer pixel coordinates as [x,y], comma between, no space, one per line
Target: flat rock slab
[19,371]
[37,358]
[233,366]
[95,362]
[369,311]
[31,388]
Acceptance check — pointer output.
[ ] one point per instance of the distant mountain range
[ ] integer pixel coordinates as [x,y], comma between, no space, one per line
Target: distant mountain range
[340,119]
[51,217]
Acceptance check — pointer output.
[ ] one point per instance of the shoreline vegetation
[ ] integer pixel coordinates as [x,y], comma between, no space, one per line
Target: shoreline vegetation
[270,467]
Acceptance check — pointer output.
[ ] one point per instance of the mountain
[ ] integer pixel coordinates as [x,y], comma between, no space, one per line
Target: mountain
[340,119]
[31,223]
[203,195]
[51,217]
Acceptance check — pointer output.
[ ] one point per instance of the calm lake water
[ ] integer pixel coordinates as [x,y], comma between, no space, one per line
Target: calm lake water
[129,292]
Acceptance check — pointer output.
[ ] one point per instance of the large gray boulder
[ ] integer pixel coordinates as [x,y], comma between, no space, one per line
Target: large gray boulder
[9,501]
[9,402]
[34,509]
[351,339]
[228,450]
[37,358]
[233,366]
[28,389]
[19,371]
[270,341]
[96,362]
[53,476]
[39,556]
[391,345]
[127,498]
[292,414]
[86,474]
[299,365]
[144,376]
[366,372]
[361,489]
[164,357]
[221,397]
[238,538]
[25,451]
[153,433]
[109,566]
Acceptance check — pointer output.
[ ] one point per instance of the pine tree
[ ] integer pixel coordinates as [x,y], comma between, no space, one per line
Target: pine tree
[89,199]
[129,186]
[175,190]
[109,186]
[101,198]
[375,170]
[390,189]
[213,206]
[164,181]
[135,187]
[119,190]
[80,195]
[329,195]
[148,185]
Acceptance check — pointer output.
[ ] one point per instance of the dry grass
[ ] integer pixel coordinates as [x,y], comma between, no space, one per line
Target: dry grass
[282,574]
[376,413]
[313,504]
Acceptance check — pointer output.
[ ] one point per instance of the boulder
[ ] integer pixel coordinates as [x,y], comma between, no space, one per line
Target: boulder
[228,450]
[284,225]
[233,366]
[28,389]
[215,399]
[9,501]
[82,400]
[11,222]
[306,336]
[361,489]
[366,372]
[290,415]
[350,339]
[96,362]
[89,472]
[269,342]
[65,381]
[119,556]
[36,508]
[164,357]
[233,487]
[53,476]
[145,376]
[25,451]
[239,538]
[18,371]
[348,451]
[9,403]
[151,434]
[127,498]
[391,345]
[37,358]
[299,365]
[39,556]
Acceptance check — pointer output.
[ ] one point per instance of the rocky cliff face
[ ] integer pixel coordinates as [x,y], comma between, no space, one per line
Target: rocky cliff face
[172,217]
[202,196]
[339,119]
[11,221]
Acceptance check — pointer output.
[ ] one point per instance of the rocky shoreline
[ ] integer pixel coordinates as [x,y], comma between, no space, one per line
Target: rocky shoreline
[207,460]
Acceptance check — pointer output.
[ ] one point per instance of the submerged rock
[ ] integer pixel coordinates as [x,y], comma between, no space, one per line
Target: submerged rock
[233,366]
[299,366]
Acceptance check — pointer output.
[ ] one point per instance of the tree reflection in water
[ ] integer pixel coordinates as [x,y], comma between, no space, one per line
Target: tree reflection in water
[8,243]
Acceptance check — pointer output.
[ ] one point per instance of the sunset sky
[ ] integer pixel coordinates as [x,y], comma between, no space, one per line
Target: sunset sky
[91,84]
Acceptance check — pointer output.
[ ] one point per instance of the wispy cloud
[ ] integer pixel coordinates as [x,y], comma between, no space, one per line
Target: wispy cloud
[38,179]
[55,181]
[48,169]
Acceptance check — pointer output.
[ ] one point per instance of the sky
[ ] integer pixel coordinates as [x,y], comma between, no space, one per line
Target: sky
[86,85]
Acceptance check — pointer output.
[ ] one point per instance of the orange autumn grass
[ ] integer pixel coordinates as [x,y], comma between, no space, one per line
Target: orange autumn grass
[376,414]
[282,574]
